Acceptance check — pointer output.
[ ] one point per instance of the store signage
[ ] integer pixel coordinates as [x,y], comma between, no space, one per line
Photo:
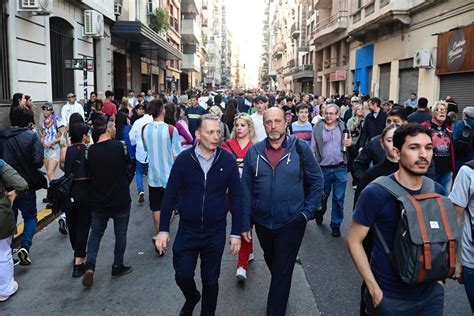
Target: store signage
[339,75]
[453,48]
[456,50]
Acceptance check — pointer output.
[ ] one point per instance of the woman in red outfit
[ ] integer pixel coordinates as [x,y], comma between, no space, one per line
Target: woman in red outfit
[243,136]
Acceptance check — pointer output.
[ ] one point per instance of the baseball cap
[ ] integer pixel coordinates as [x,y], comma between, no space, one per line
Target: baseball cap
[47,105]
[70,95]
[355,99]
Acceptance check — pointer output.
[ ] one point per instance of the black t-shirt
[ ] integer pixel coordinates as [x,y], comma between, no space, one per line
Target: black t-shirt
[110,191]
[419,117]
[441,148]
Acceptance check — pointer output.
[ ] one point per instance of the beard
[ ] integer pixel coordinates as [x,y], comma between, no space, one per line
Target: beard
[274,136]
[412,171]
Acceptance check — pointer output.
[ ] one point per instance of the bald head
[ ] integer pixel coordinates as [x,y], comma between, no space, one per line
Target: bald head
[274,111]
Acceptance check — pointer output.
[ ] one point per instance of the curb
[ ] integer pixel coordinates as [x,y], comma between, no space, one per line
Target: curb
[44,216]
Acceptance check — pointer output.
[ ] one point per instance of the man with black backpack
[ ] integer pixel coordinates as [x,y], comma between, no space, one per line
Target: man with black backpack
[416,233]
[463,137]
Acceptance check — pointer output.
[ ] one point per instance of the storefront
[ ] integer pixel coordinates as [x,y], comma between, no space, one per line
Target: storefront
[455,65]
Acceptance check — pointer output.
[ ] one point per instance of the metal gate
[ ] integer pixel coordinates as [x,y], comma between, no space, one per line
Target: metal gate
[384,82]
[460,87]
[62,41]
[408,83]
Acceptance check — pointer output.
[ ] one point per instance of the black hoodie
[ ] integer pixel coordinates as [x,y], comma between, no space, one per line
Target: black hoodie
[22,149]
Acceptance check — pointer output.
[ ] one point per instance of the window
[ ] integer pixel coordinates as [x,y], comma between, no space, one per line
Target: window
[4,70]
[62,41]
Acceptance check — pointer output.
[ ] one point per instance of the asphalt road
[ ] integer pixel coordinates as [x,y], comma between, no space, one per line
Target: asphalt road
[325,282]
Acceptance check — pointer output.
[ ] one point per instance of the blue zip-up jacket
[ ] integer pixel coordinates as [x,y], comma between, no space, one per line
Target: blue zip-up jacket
[274,197]
[203,204]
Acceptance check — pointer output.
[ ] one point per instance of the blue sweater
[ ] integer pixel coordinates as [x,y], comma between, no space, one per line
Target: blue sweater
[203,204]
[274,197]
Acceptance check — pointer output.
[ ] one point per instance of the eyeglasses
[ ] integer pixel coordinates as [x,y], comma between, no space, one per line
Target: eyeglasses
[329,114]
[440,110]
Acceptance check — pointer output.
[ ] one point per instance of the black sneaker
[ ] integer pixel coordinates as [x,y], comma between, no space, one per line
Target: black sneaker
[120,270]
[24,257]
[78,270]
[319,219]
[62,226]
[88,278]
[189,305]
[336,232]
[46,200]
[16,262]
[141,197]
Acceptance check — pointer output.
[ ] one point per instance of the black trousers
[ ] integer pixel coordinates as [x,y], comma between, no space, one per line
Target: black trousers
[209,246]
[280,249]
[79,218]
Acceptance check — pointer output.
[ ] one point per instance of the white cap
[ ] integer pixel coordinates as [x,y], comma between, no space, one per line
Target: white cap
[355,99]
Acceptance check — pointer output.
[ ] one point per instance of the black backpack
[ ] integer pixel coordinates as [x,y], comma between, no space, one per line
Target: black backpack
[425,243]
[465,143]
[59,190]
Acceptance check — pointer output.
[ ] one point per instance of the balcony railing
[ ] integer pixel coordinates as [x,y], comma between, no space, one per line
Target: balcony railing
[338,19]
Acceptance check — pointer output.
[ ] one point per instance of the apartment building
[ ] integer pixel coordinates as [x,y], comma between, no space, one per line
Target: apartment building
[191,38]
[39,36]
[398,47]
[211,30]
[145,56]
[266,78]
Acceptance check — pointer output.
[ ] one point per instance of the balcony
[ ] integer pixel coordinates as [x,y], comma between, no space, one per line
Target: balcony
[291,63]
[330,26]
[190,31]
[322,4]
[303,71]
[279,50]
[379,14]
[295,31]
[191,63]
[191,6]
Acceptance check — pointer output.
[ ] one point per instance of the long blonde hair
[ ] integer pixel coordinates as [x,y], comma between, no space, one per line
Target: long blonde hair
[247,119]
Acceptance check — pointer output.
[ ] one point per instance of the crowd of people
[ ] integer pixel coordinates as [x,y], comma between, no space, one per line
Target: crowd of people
[270,159]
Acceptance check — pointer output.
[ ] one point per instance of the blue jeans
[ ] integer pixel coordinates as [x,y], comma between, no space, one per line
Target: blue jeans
[98,226]
[27,205]
[335,179]
[139,172]
[468,275]
[446,180]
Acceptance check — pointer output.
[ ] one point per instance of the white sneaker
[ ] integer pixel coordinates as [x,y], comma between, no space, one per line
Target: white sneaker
[241,274]
[251,257]
[141,197]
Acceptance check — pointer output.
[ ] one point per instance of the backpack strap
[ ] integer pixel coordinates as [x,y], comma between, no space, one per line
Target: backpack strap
[143,138]
[390,186]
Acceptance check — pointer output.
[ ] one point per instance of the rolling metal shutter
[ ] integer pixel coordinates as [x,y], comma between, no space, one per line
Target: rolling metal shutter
[384,82]
[460,87]
[408,83]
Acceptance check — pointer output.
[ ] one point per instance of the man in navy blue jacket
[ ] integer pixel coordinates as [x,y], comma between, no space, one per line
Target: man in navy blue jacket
[201,177]
[282,186]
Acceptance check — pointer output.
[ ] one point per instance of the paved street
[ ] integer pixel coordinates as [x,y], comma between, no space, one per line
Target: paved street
[326,283]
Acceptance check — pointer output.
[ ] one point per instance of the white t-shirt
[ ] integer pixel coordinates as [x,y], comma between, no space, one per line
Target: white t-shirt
[68,109]
[461,195]
[259,127]
[135,135]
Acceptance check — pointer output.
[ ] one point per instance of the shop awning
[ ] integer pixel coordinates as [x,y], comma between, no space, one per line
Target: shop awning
[134,35]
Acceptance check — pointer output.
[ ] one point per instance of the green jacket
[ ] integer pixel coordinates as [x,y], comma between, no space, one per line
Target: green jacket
[11,179]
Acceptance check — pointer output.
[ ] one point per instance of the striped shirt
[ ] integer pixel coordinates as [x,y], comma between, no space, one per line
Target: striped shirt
[304,132]
[161,152]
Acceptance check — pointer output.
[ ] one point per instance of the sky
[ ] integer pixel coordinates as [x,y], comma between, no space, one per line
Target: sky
[245,21]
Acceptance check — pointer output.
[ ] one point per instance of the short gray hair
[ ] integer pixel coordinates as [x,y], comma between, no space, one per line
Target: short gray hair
[332,105]
[468,111]
[206,117]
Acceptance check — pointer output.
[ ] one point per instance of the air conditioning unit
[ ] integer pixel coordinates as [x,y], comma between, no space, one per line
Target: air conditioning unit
[422,59]
[150,7]
[93,24]
[36,7]
[117,9]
